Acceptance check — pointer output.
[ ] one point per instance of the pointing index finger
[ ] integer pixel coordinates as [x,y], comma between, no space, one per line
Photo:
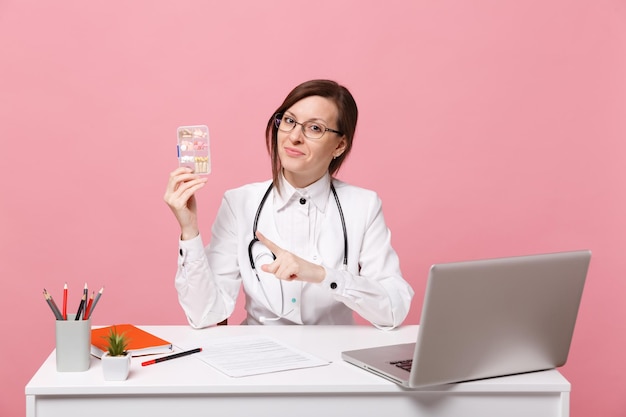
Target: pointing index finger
[268,243]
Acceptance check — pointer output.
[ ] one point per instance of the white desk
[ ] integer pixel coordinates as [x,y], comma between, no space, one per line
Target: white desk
[188,387]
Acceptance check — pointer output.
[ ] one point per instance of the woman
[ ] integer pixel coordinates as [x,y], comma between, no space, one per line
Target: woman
[308,248]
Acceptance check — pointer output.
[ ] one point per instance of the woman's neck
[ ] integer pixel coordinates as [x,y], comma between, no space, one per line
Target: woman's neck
[301,182]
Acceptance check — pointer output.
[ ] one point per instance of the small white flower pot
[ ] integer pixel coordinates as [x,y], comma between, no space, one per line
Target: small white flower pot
[115,368]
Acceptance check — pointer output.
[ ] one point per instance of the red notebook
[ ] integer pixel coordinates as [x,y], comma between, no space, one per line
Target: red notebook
[140,342]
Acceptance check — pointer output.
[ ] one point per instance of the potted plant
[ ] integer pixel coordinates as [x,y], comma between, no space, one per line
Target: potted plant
[116,360]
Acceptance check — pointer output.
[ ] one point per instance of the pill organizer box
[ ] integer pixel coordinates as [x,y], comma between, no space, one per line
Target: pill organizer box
[193,148]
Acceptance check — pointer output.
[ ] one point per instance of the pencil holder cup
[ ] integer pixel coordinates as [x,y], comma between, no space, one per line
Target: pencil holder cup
[73,344]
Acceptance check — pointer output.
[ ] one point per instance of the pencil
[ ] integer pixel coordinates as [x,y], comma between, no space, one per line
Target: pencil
[174,356]
[86,291]
[80,307]
[88,308]
[57,313]
[65,301]
[95,301]
[83,303]
[53,307]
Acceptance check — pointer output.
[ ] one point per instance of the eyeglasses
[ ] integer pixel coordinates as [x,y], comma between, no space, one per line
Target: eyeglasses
[310,129]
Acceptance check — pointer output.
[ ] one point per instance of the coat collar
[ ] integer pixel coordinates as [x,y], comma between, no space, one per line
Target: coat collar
[317,193]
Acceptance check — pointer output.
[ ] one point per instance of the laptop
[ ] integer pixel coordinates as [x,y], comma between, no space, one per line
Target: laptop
[487,318]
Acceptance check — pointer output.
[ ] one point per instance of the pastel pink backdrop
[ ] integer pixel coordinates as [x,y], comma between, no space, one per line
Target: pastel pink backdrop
[489,128]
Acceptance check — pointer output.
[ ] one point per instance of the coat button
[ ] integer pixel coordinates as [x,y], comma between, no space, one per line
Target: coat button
[333,285]
[180,251]
[303,200]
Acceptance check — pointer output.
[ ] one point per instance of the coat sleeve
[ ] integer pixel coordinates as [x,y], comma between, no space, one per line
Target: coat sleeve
[208,279]
[374,288]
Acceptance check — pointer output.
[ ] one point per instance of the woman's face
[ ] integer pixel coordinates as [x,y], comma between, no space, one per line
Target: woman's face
[305,160]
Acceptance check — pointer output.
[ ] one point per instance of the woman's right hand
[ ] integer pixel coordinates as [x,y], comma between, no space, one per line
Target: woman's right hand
[179,196]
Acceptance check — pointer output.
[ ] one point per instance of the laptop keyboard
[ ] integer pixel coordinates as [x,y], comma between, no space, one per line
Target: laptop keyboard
[405,364]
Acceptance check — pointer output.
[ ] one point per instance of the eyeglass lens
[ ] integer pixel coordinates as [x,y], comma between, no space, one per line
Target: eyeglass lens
[312,130]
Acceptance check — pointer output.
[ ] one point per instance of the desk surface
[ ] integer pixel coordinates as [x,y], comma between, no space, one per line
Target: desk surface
[190,376]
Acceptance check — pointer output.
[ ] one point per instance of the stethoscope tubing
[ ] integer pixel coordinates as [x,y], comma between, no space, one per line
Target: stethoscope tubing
[254,227]
[255,240]
[258,214]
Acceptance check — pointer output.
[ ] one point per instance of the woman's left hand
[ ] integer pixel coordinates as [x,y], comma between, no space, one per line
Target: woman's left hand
[288,266]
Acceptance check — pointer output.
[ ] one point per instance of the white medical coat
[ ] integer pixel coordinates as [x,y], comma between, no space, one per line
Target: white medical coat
[208,278]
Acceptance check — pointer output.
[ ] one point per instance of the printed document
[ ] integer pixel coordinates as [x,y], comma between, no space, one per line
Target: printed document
[254,355]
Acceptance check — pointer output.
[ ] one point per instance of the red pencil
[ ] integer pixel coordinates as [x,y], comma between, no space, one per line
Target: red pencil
[65,301]
[88,308]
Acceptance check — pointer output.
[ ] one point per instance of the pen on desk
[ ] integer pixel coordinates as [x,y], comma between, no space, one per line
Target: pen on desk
[95,301]
[53,306]
[174,356]
[65,301]
[80,307]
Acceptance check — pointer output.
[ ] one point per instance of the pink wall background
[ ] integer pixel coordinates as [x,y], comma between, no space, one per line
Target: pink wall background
[489,128]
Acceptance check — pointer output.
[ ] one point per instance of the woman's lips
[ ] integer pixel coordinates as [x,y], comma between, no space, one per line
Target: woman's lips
[293,152]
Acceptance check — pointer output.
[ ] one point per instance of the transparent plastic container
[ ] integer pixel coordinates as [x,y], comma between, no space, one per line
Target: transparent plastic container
[193,148]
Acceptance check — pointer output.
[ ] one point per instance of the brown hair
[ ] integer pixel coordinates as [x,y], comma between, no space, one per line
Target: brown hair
[346,119]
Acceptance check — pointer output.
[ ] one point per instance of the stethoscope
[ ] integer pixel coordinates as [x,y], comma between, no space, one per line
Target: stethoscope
[255,240]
